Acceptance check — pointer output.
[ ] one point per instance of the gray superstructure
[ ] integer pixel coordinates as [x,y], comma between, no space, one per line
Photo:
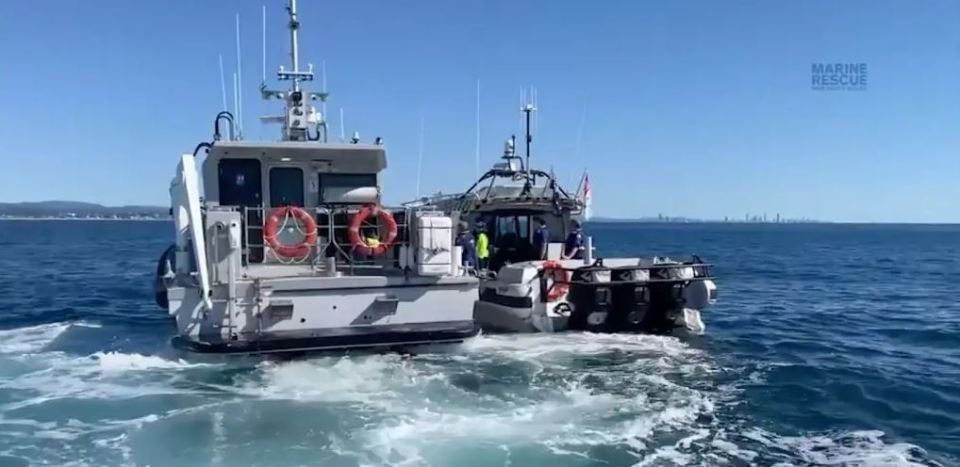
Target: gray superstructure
[272,255]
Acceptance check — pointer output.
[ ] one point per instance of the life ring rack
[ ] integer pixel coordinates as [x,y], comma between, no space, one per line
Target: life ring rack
[386,220]
[560,280]
[278,217]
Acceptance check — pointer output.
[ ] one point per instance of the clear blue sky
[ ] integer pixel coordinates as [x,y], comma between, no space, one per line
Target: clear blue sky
[697,108]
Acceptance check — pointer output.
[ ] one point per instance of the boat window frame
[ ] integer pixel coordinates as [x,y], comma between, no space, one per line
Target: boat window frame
[300,180]
[256,180]
[323,184]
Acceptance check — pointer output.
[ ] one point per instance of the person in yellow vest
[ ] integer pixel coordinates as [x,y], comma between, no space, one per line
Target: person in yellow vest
[483,246]
[372,240]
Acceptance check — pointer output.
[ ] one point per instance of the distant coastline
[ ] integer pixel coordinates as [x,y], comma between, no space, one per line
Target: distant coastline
[73,210]
[86,219]
[689,220]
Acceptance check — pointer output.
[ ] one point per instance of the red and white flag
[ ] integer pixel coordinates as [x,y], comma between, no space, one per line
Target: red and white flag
[586,195]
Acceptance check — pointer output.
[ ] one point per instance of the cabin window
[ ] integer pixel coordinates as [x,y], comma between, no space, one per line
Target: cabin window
[518,226]
[347,180]
[239,185]
[239,182]
[334,185]
[286,186]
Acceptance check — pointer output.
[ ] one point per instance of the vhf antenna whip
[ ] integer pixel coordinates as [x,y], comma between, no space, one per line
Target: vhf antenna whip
[528,108]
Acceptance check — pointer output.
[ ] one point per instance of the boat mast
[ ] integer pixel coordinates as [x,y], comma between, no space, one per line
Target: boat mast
[300,117]
[295,45]
[528,109]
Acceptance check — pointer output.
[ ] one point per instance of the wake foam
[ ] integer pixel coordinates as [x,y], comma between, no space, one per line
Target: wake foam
[573,398]
[30,339]
[50,376]
[534,346]
[854,448]
[119,362]
[370,379]
[581,391]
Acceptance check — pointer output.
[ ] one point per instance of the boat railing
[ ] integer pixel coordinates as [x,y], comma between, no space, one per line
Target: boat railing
[466,201]
[331,246]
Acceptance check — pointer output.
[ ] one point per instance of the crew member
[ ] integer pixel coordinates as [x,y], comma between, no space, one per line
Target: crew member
[574,246]
[466,242]
[541,238]
[483,246]
[371,239]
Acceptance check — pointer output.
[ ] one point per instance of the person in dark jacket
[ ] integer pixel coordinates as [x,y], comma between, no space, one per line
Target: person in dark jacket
[541,238]
[574,246]
[466,242]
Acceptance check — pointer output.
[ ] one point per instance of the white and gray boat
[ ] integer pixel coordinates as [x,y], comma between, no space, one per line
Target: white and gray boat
[287,248]
[522,291]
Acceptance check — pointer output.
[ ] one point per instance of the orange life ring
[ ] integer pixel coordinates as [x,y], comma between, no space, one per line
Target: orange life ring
[561,280]
[353,233]
[277,216]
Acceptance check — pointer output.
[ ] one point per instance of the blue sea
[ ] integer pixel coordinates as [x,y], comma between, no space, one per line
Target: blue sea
[831,345]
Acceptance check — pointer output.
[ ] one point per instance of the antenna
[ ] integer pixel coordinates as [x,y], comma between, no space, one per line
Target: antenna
[343,136]
[223,83]
[477,153]
[323,85]
[420,157]
[528,109]
[533,100]
[263,44]
[239,82]
[236,98]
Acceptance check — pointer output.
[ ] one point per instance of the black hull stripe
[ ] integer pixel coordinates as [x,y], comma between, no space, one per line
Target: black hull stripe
[377,287]
[338,339]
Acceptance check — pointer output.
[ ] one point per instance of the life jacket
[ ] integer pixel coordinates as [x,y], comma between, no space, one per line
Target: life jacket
[483,246]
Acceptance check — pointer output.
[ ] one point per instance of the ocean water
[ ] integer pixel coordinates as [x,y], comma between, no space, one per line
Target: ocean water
[831,345]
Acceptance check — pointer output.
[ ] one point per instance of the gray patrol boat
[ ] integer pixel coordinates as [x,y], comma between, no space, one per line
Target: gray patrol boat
[529,289]
[288,248]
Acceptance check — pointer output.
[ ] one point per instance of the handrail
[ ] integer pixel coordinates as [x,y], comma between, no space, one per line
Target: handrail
[331,238]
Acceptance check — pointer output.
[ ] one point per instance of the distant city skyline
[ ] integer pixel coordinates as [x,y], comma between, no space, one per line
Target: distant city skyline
[89,211]
[697,108]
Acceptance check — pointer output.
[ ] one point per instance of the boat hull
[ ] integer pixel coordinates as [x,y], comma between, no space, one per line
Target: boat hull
[494,317]
[629,295]
[293,315]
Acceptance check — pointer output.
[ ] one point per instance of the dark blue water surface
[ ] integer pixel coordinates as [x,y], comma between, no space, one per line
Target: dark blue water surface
[831,345]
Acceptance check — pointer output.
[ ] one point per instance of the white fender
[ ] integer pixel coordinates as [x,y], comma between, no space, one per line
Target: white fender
[188,219]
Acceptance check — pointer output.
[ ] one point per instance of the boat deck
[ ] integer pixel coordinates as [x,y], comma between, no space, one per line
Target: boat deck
[281,271]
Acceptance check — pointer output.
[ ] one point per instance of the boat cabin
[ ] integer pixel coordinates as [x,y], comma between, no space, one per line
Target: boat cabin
[512,231]
[304,174]
[332,180]
[508,204]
